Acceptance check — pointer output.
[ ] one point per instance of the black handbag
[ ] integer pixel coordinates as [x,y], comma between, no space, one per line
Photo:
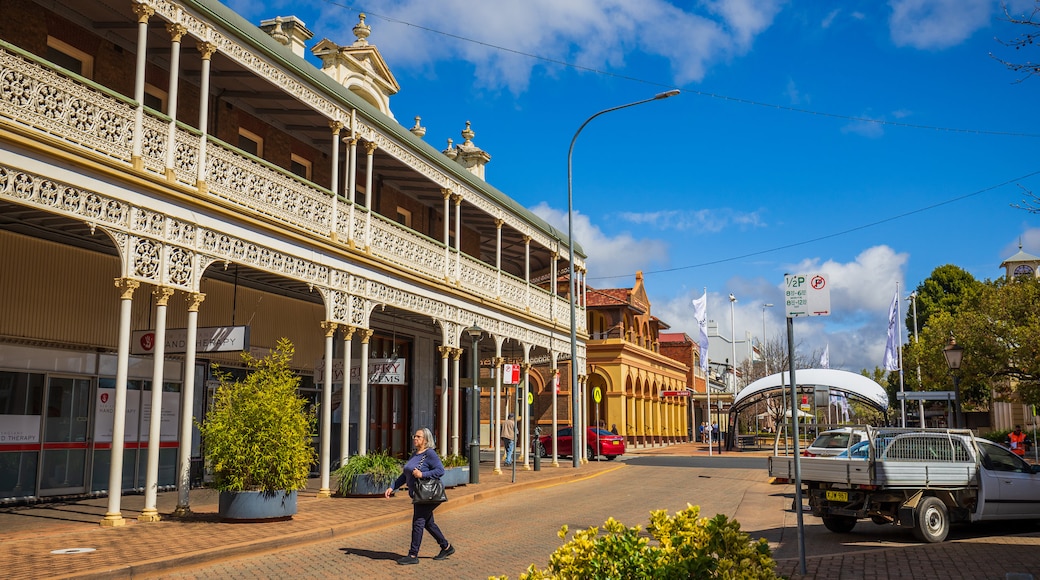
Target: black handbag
[428,489]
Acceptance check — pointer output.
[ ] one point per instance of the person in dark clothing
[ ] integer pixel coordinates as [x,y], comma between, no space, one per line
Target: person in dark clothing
[424,463]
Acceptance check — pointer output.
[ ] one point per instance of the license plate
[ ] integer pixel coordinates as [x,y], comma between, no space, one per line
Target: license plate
[615,443]
[837,495]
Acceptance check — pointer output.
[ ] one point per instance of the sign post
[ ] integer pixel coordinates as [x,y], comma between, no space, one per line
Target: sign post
[804,295]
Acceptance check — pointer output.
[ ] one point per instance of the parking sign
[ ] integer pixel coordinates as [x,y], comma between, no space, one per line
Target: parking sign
[807,295]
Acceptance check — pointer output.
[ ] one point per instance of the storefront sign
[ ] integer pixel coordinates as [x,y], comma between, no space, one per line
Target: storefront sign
[207,339]
[138,416]
[19,429]
[381,371]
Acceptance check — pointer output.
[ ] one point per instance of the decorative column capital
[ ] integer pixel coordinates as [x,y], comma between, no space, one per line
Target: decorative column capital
[348,331]
[142,11]
[176,31]
[457,198]
[446,193]
[445,351]
[366,335]
[526,239]
[126,287]
[329,327]
[456,353]
[206,49]
[370,147]
[336,126]
[162,295]
[195,300]
[498,361]
[499,223]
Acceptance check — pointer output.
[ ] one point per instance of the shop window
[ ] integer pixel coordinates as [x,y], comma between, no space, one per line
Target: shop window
[68,57]
[250,142]
[300,166]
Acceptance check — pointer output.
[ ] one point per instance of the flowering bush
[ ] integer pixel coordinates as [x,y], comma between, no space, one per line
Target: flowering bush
[684,546]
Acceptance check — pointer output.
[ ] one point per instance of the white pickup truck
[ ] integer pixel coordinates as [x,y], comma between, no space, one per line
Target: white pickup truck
[921,478]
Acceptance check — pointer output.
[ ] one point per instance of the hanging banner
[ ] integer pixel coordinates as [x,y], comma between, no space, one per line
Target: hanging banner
[207,339]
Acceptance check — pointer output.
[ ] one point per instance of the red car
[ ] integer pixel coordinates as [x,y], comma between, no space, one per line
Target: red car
[599,442]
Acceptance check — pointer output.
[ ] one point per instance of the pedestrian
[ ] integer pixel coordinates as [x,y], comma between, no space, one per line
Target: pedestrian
[1016,441]
[613,428]
[424,463]
[715,432]
[508,435]
[700,432]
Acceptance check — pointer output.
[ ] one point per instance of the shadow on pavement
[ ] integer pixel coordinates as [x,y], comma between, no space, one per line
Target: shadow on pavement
[370,554]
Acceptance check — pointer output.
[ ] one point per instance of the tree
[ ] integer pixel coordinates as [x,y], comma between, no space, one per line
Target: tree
[1027,39]
[999,330]
[944,290]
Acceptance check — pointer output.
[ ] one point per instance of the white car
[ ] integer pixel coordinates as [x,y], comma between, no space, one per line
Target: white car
[834,441]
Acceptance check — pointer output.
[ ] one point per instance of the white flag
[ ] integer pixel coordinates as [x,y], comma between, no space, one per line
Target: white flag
[700,312]
[892,347]
[825,360]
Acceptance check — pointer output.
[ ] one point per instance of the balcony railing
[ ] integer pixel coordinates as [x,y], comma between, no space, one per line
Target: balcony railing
[40,97]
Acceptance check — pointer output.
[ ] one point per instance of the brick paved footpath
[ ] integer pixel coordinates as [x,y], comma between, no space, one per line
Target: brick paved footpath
[28,535]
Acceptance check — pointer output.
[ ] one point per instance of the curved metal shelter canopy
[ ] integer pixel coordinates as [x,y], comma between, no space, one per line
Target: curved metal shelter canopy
[854,385]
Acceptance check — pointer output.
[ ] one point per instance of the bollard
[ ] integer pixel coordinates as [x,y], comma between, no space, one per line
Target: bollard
[534,449]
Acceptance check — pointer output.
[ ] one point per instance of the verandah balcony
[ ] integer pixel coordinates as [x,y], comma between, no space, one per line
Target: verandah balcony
[40,97]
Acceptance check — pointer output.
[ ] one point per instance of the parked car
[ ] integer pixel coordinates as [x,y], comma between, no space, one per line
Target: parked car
[834,441]
[599,442]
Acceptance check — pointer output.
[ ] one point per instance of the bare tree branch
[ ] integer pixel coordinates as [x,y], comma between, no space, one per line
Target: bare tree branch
[1025,40]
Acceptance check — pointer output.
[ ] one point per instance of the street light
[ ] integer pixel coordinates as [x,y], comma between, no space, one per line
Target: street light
[733,342]
[765,359]
[954,353]
[575,402]
[473,417]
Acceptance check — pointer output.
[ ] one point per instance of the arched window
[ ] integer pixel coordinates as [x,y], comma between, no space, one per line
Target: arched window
[1023,271]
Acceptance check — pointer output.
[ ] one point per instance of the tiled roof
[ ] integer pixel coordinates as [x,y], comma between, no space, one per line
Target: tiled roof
[608,297]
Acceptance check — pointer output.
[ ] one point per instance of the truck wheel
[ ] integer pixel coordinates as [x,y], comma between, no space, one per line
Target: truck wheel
[839,524]
[933,523]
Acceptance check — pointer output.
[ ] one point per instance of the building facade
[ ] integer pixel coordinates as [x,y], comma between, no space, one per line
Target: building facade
[178,185]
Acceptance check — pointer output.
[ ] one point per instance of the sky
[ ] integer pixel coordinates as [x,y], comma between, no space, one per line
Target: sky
[870,142]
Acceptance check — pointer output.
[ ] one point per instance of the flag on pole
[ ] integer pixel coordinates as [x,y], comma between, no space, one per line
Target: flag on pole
[700,312]
[825,360]
[892,347]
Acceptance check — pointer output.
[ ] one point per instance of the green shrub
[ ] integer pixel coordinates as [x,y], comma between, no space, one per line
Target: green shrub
[383,468]
[455,461]
[257,434]
[679,547]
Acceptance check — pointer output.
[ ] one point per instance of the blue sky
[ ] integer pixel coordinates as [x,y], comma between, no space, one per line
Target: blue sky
[869,141]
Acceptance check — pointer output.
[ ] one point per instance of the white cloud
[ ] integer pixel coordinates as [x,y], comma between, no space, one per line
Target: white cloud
[937,24]
[829,19]
[590,33]
[608,255]
[696,220]
[866,127]
[1029,239]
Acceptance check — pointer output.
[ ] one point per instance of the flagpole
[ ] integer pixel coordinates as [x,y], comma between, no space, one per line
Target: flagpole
[902,399]
[707,379]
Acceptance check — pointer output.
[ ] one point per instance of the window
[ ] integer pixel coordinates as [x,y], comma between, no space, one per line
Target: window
[250,142]
[300,166]
[1023,271]
[404,217]
[73,59]
[154,98]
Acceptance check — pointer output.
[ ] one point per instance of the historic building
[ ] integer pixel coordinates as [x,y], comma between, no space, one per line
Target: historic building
[644,391]
[178,185]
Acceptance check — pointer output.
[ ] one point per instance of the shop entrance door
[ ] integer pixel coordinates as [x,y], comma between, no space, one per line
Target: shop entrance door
[387,416]
[64,465]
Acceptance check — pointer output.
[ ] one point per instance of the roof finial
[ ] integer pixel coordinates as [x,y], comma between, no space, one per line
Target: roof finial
[361,31]
[418,130]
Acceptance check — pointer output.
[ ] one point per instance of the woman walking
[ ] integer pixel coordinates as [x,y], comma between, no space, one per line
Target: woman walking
[424,463]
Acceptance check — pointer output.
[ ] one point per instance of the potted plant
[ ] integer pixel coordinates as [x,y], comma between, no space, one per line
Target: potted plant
[257,438]
[456,470]
[368,475]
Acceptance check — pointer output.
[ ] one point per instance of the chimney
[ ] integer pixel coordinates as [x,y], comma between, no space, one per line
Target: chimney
[290,31]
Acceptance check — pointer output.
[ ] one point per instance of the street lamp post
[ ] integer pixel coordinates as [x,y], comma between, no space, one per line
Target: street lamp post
[575,401]
[954,353]
[765,359]
[473,417]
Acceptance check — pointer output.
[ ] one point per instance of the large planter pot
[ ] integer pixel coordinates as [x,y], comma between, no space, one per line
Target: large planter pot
[256,506]
[455,476]
[364,485]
